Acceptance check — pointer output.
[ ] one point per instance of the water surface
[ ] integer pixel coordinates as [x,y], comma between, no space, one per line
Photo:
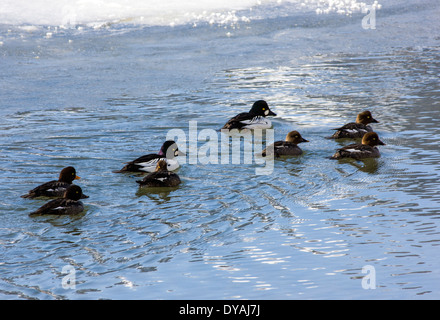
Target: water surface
[96,97]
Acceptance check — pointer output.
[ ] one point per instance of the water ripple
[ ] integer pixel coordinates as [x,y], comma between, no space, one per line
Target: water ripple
[294,234]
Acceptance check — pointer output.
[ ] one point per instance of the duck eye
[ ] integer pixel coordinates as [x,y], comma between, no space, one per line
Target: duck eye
[264,109]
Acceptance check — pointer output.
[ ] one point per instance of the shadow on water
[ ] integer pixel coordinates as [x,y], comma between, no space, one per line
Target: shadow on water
[60,220]
[370,165]
[158,195]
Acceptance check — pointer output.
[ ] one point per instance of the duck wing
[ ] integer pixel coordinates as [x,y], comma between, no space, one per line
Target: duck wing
[160,179]
[287,149]
[277,145]
[351,130]
[60,207]
[239,121]
[141,164]
[356,151]
[49,189]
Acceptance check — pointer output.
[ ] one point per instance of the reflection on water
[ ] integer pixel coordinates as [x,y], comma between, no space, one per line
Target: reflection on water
[370,165]
[158,195]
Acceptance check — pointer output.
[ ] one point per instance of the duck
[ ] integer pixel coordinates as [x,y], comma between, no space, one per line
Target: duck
[68,205]
[148,163]
[288,147]
[366,149]
[55,188]
[254,119]
[354,130]
[161,177]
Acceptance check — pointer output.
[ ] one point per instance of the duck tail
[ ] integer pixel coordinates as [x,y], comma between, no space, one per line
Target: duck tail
[126,168]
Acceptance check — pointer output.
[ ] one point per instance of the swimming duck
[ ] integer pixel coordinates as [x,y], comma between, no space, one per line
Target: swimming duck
[288,147]
[148,162]
[367,149]
[55,188]
[356,129]
[69,204]
[161,177]
[254,119]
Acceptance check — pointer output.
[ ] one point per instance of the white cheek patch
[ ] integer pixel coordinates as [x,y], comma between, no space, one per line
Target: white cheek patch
[266,112]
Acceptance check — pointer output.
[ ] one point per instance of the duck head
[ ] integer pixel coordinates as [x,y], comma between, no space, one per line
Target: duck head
[161,165]
[365,117]
[372,139]
[170,150]
[68,174]
[261,108]
[295,137]
[73,192]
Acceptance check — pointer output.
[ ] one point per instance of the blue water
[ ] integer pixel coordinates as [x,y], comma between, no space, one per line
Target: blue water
[97,95]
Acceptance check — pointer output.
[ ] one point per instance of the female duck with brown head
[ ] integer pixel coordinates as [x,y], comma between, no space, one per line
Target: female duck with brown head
[55,188]
[354,130]
[288,147]
[161,177]
[366,149]
[68,205]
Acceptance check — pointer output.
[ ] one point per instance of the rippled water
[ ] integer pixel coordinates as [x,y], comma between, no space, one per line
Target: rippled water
[304,232]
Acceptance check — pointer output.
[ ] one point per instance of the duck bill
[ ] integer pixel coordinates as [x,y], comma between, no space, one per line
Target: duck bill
[374,120]
[77,178]
[178,153]
[271,113]
[304,140]
[380,142]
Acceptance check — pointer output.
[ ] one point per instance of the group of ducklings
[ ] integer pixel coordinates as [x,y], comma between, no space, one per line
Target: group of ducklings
[256,118]
[353,130]
[161,165]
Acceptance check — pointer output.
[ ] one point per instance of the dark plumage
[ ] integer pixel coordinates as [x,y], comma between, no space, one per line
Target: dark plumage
[70,204]
[356,129]
[366,149]
[160,178]
[288,147]
[148,162]
[55,188]
[253,119]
